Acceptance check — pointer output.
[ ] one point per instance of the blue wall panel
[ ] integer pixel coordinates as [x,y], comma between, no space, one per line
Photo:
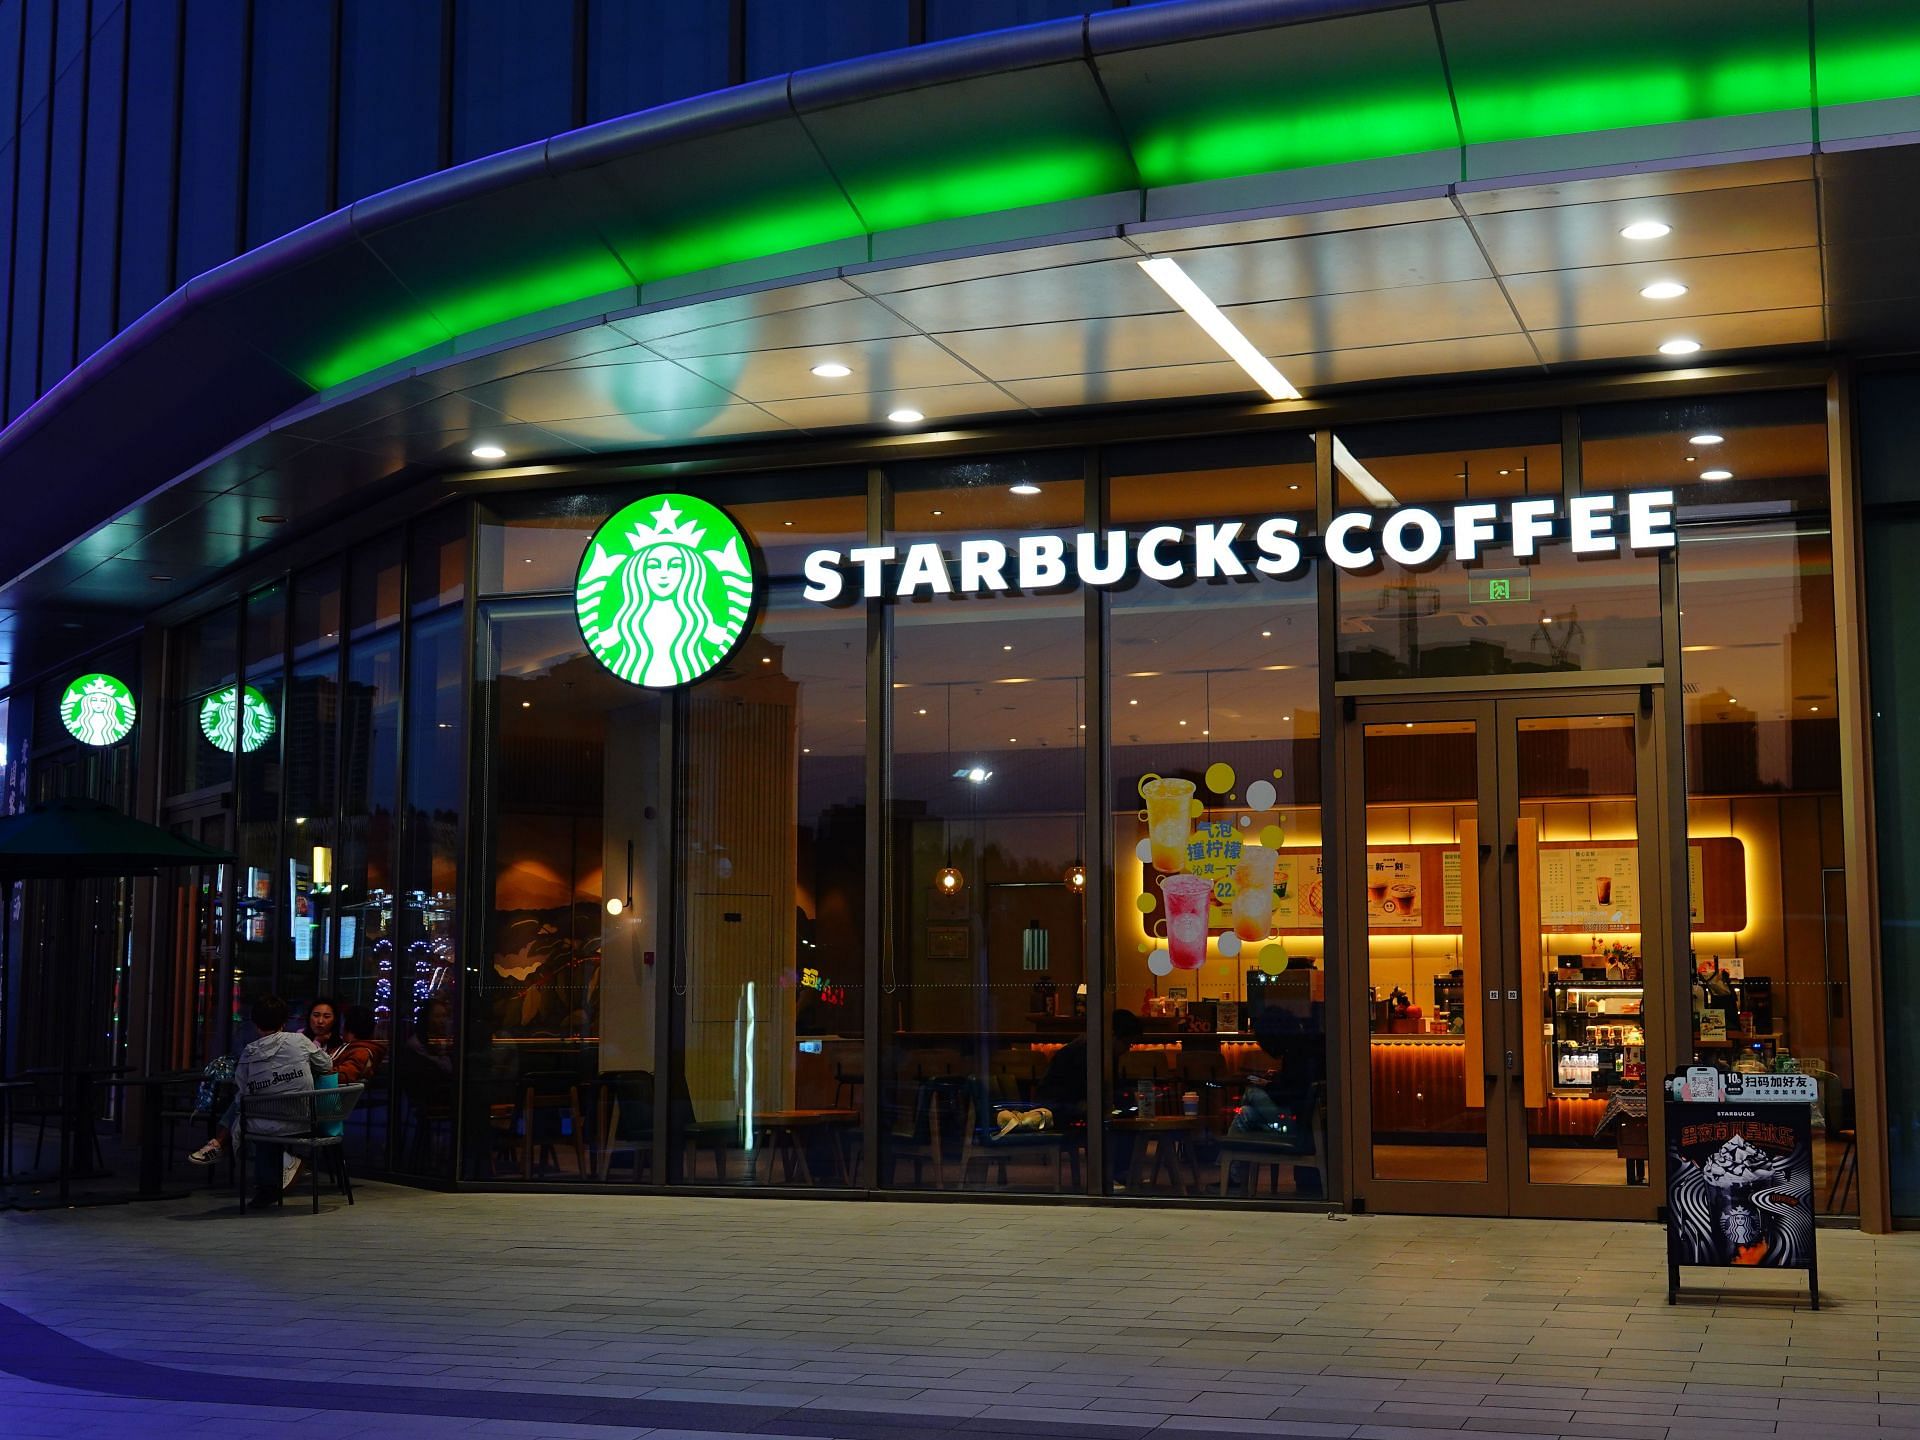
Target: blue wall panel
[100,192]
[212,108]
[948,18]
[642,53]
[146,219]
[11,19]
[512,73]
[288,145]
[390,94]
[63,192]
[30,208]
[784,36]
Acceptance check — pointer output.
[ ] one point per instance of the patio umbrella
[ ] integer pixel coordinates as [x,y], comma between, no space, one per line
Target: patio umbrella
[75,839]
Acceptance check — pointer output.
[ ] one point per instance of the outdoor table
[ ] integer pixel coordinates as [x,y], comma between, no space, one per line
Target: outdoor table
[152,1159]
[788,1129]
[82,1138]
[1173,1139]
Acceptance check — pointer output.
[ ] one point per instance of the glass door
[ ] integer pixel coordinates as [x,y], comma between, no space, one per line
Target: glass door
[1584,895]
[1426,1032]
[1505,916]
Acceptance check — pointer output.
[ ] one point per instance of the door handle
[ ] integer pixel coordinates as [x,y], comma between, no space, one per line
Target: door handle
[1509,1062]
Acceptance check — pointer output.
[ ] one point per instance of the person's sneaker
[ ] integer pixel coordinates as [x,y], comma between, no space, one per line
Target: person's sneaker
[289,1171]
[207,1154]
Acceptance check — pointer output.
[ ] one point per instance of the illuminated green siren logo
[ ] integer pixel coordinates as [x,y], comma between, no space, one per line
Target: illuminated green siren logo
[97,710]
[665,590]
[217,719]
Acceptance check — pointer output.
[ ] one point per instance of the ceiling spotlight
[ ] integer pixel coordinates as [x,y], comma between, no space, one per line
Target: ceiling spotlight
[1716,474]
[1024,488]
[615,905]
[1646,230]
[831,370]
[489,452]
[1663,290]
[905,416]
[1707,439]
[1076,876]
[1679,347]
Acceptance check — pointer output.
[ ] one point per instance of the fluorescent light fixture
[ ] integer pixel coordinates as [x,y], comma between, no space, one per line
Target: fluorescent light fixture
[1716,474]
[905,416]
[831,370]
[1023,489]
[1362,479]
[1167,274]
[1679,347]
[1706,439]
[1659,290]
[1646,230]
[489,452]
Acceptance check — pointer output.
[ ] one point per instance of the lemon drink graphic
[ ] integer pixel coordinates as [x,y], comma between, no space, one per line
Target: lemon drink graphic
[665,590]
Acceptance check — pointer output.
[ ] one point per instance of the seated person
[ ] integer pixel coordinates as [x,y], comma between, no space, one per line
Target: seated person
[1275,1099]
[362,1054]
[1063,1087]
[280,1063]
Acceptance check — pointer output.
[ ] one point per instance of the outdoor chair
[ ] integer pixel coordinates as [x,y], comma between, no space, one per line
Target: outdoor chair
[316,1122]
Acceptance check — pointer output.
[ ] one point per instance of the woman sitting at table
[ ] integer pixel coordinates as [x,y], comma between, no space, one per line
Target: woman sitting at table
[361,1052]
[323,1026]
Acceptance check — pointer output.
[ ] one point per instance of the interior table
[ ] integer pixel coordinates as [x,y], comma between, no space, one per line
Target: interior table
[1173,1138]
[787,1132]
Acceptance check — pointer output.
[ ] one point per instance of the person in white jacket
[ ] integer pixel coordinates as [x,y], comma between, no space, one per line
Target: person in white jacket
[280,1062]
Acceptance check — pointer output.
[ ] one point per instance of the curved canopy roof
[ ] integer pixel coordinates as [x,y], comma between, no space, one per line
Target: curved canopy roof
[950,214]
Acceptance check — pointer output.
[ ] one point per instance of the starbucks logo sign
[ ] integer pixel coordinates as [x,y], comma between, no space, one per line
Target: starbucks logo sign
[246,710]
[97,710]
[665,590]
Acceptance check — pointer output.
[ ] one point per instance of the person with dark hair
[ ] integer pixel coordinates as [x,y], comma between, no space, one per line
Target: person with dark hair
[1063,1087]
[323,1025]
[280,1062]
[361,1052]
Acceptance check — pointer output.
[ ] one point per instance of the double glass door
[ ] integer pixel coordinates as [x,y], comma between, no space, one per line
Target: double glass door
[1508,940]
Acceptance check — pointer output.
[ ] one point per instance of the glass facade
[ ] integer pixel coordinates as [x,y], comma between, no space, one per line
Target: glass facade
[1000,877]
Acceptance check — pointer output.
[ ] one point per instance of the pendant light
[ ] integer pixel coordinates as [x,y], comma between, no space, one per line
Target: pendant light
[948,880]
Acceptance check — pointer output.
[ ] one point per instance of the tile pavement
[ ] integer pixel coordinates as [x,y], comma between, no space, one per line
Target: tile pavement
[506,1315]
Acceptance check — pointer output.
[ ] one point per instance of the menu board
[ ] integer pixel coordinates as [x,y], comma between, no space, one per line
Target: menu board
[1450,909]
[1589,888]
[1394,883]
[1298,897]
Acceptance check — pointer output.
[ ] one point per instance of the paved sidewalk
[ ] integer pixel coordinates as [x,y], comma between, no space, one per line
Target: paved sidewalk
[424,1314]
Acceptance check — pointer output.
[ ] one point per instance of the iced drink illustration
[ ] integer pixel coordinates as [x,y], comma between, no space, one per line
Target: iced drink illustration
[1169,816]
[1253,893]
[1603,890]
[1186,898]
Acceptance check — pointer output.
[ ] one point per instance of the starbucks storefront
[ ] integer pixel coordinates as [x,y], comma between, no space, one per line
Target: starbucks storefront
[1352,809]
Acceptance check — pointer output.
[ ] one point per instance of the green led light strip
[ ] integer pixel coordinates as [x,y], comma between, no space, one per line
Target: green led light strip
[1865,55]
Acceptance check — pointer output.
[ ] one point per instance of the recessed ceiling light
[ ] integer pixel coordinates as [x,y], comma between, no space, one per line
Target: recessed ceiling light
[923,712]
[939,512]
[1024,489]
[1266,634]
[1716,474]
[1663,290]
[787,523]
[271,519]
[905,416]
[1707,439]
[1133,702]
[1646,230]
[1679,347]
[1006,647]
[831,370]
[489,452]
[1183,722]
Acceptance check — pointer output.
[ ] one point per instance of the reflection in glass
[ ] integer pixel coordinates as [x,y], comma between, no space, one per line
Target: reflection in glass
[1426,941]
[1496,614]
[1217,1000]
[983,1002]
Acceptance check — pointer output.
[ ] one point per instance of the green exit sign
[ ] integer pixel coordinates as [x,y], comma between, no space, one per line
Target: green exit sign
[1485,589]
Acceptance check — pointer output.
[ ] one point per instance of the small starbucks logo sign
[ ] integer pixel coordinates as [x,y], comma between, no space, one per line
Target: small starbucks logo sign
[97,710]
[224,710]
[665,590]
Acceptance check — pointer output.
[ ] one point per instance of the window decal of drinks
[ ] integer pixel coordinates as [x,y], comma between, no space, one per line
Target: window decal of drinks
[1222,875]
